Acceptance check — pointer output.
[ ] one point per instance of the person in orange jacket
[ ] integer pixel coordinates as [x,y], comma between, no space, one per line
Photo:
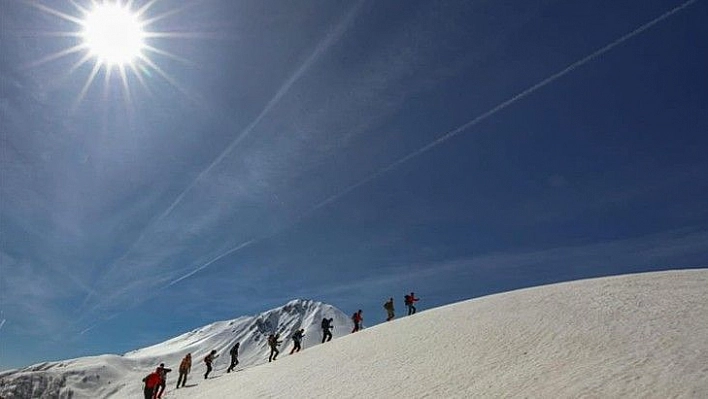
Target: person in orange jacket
[184,368]
[151,381]
[357,318]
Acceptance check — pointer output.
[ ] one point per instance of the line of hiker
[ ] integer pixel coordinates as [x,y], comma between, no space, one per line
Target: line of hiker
[156,381]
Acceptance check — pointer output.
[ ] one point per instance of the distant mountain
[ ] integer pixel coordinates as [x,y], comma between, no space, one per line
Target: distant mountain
[120,376]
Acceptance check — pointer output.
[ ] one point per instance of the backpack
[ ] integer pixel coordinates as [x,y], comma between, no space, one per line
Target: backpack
[207,359]
[408,300]
[151,380]
[325,324]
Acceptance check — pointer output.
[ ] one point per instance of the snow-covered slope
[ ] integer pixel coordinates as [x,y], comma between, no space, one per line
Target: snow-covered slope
[638,335]
[120,376]
[634,336]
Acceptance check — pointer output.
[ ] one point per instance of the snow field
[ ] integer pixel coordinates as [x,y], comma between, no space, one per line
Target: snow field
[629,336]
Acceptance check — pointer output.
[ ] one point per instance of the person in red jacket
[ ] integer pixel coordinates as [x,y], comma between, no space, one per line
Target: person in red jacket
[151,381]
[410,301]
[357,318]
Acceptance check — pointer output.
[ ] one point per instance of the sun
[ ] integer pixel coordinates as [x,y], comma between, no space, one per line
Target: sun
[117,38]
[113,34]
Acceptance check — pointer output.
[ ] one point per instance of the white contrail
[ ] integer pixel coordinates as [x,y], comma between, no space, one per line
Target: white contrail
[505,104]
[323,46]
[2,323]
[442,138]
[204,266]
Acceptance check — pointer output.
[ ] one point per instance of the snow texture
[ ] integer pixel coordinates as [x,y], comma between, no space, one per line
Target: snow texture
[640,335]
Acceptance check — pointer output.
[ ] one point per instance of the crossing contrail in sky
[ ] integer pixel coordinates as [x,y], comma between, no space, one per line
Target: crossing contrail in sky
[454,132]
[520,96]
[321,48]
[204,266]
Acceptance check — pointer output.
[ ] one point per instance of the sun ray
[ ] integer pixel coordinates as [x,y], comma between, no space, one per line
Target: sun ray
[57,55]
[106,83]
[57,13]
[80,62]
[142,10]
[168,55]
[181,35]
[38,33]
[167,14]
[139,76]
[78,7]
[167,77]
[126,88]
[115,35]
[89,80]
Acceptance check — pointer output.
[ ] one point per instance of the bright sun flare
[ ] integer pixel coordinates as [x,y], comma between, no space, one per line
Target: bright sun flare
[118,38]
[113,34]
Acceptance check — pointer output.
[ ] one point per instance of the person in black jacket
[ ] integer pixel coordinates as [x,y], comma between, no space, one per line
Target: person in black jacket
[234,357]
[162,371]
[326,327]
[273,342]
[208,360]
[297,340]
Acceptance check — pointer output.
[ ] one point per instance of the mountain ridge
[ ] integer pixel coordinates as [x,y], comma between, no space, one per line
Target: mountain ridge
[90,375]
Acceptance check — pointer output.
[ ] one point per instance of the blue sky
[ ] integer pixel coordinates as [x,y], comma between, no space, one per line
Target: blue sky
[340,151]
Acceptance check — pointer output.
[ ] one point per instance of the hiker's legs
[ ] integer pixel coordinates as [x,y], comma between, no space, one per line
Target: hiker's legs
[208,371]
[160,389]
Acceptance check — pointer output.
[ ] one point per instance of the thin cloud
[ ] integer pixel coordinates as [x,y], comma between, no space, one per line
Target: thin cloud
[503,105]
[321,48]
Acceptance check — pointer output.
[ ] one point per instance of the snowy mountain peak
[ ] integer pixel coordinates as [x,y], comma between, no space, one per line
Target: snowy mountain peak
[107,374]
